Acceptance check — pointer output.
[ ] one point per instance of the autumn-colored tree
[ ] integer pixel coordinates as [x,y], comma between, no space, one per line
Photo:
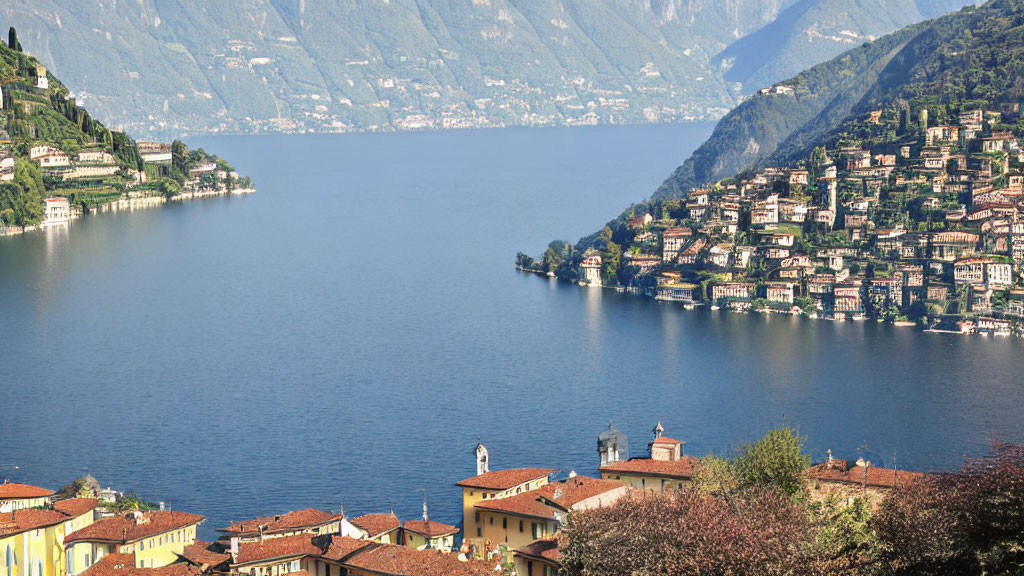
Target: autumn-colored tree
[968,522]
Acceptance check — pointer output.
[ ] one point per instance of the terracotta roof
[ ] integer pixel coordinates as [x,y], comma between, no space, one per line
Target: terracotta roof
[682,468]
[126,528]
[840,471]
[29,519]
[504,479]
[341,547]
[429,528]
[377,524]
[12,491]
[272,548]
[545,501]
[280,522]
[543,549]
[664,440]
[75,507]
[202,554]
[124,565]
[393,560]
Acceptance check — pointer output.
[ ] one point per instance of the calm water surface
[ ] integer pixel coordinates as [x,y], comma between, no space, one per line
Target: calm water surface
[345,334]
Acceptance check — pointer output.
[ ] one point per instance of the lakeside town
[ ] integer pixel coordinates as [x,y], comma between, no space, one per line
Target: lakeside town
[511,521]
[911,214]
[58,163]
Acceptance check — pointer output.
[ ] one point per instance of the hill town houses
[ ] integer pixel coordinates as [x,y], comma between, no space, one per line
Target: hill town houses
[510,523]
[923,229]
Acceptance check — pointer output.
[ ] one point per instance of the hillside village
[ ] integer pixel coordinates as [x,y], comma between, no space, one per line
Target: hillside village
[910,214]
[510,523]
[57,162]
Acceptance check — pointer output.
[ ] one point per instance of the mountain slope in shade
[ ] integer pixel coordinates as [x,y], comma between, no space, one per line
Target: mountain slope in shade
[340,65]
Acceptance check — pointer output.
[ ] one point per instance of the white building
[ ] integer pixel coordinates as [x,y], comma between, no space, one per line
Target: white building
[591,268]
[58,211]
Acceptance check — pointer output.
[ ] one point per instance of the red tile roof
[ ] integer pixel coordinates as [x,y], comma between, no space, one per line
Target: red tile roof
[76,507]
[429,528]
[297,519]
[665,440]
[127,528]
[545,501]
[29,519]
[274,548]
[682,468]
[393,560]
[377,524]
[504,479]
[12,491]
[840,471]
[545,549]
[124,565]
[341,547]
[202,554]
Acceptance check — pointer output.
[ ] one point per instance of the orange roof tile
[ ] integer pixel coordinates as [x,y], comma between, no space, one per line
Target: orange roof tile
[377,524]
[127,528]
[545,549]
[204,555]
[839,471]
[29,519]
[504,479]
[274,548]
[393,560]
[545,501]
[13,491]
[288,521]
[429,528]
[666,440]
[124,565]
[341,547]
[76,507]
[682,468]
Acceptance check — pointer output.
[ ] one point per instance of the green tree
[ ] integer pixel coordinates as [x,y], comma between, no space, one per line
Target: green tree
[12,40]
[776,460]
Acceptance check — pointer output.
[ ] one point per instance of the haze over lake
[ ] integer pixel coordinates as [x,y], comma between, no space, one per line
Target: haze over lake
[346,333]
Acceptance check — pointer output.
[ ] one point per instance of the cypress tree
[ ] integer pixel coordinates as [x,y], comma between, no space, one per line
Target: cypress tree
[12,40]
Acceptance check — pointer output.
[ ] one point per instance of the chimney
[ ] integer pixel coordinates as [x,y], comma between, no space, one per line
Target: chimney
[829,452]
[261,532]
[234,549]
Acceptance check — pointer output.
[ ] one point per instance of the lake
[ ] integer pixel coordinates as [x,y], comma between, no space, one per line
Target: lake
[345,334]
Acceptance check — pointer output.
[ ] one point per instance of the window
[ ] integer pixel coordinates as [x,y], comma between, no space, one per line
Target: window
[172,537]
[538,530]
[476,516]
[142,544]
[86,559]
[491,520]
[479,534]
[295,566]
[520,525]
[504,523]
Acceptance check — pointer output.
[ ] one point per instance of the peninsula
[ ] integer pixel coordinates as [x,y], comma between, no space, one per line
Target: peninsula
[887,183]
[57,162]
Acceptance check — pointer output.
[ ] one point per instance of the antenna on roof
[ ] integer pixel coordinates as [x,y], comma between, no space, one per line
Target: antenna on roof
[426,517]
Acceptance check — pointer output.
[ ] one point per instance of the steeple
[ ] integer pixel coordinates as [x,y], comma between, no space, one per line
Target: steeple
[658,430]
[482,459]
[612,446]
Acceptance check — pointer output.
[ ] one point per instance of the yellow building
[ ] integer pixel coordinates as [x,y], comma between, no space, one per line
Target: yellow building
[273,556]
[421,534]
[541,558]
[382,528]
[666,468]
[156,538]
[518,520]
[308,521]
[30,542]
[20,496]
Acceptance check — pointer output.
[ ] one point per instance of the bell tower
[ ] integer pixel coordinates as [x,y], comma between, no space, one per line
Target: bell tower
[482,459]
[612,446]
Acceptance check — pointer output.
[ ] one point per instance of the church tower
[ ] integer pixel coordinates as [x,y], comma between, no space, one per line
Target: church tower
[482,460]
[612,446]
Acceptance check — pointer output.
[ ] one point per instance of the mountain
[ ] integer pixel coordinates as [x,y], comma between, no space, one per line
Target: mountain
[822,27]
[178,66]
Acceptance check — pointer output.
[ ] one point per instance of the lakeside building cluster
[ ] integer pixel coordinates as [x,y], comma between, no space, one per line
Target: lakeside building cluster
[918,222]
[511,520]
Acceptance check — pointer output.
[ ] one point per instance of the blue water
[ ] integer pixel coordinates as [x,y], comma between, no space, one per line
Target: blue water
[345,335]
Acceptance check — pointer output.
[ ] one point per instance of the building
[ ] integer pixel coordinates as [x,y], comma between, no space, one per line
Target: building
[665,468]
[308,521]
[516,521]
[273,556]
[612,446]
[156,538]
[30,542]
[383,528]
[590,267]
[838,478]
[17,496]
[781,292]
[539,558]
[427,534]
[731,291]
[56,211]
[672,241]
[491,486]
